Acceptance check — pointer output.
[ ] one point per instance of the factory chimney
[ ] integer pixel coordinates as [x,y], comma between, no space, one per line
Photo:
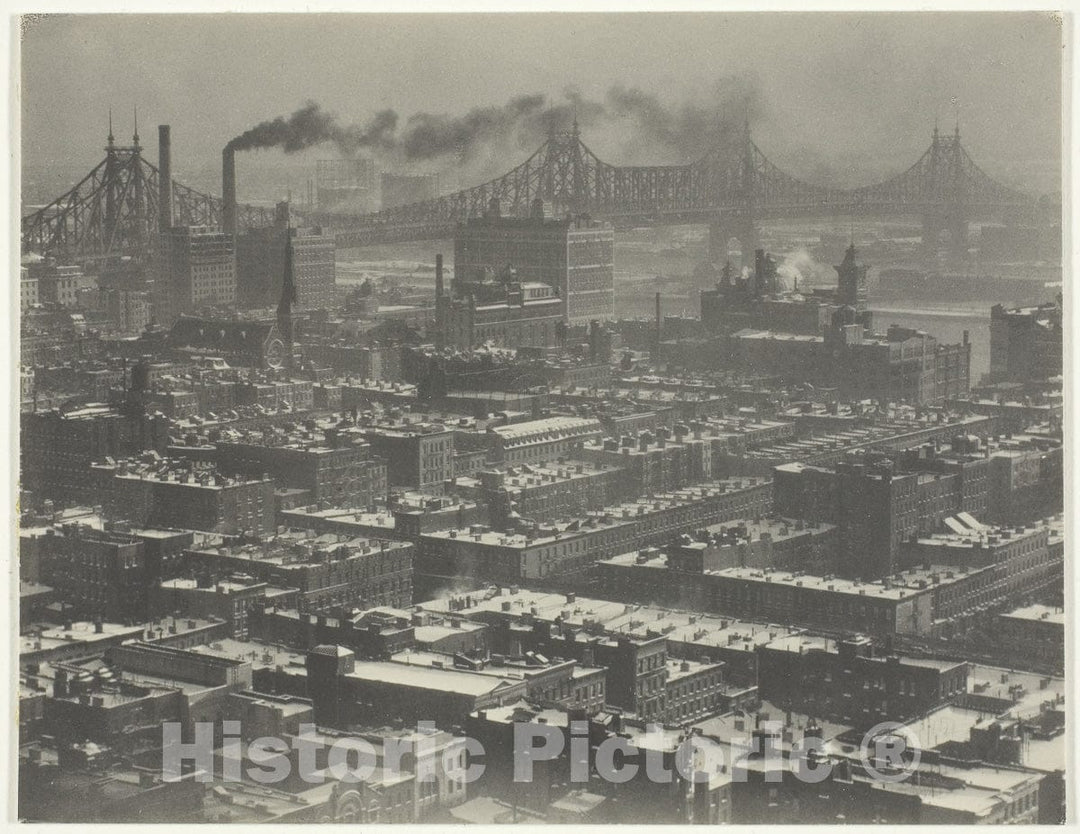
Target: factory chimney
[656,336]
[759,272]
[228,191]
[164,179]
[440,302]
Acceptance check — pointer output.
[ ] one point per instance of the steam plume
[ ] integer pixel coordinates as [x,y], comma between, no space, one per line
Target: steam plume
[802,268]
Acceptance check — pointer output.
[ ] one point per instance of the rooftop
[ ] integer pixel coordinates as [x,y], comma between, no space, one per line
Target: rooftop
[800,643]
[260,655]
[423,676]
[553,426]
[1039,613]
[296,548]
[80,632]
[616,617]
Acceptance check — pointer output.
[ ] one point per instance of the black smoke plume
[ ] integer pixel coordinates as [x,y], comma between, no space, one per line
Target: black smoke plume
[627,125]
[428,135]
[311,125]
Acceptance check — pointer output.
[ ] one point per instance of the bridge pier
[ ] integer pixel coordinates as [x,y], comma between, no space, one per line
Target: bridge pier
[728,225]
[951,221]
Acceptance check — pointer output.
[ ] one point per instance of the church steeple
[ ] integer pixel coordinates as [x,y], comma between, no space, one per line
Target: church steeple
[851,286]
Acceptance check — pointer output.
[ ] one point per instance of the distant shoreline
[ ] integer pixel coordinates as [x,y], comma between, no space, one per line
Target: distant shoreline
[937,313]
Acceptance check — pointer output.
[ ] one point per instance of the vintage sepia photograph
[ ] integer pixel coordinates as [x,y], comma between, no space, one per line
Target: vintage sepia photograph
[614,417]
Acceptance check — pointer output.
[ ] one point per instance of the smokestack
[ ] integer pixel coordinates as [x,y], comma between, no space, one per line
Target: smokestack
[164,179]
[228,191]
[656,355]
[440,338]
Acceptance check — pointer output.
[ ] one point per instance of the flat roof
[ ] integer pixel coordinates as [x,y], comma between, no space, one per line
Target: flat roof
[622,618]
[439,631]
[260,655]
[456,681]
[1039,613]
[799,643]
[905,583]
[548,424]
[80,632]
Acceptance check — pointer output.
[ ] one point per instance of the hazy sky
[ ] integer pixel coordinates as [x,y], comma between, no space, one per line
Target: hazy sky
[830,90]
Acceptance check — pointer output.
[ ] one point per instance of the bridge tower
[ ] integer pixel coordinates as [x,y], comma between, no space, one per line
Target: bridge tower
[126,194]
[738,222]
[564,172]
[945,207]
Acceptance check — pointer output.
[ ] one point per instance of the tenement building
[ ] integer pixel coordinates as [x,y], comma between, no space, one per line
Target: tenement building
[875,506]
[918,602]
[330,571]
[1025,342]
[568,548]
[163,492]
[419,456]
[59,445]
[540,441]
[331,470]
[847,680]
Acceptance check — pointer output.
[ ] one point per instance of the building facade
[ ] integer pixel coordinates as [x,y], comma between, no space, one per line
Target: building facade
[1025,342]
[573,256]
[195,267]
[260,265]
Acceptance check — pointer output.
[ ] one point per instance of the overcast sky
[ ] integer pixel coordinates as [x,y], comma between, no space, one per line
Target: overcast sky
[828,89]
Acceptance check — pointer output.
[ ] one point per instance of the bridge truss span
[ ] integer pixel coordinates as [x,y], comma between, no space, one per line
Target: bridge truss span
[733,185]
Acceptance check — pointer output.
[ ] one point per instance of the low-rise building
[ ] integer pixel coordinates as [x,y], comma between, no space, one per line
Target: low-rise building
[848,681]
[542,492]
[346,691]
[566,548]
[539,441]
[336,473]
[923,601]
[566,683]
[328,571]
[1034,631]
[418,457]
[162,492]
[1026,564]
[101,574]
[1025,342]
[58,446]
[226,599]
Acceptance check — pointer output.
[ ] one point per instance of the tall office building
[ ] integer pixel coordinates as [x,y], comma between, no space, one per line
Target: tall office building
[195,268]
[260,265]
[576,256]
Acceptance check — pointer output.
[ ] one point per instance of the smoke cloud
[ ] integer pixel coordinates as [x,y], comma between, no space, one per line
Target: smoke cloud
[427,135]
[311,125]
[800,268]
[626,125]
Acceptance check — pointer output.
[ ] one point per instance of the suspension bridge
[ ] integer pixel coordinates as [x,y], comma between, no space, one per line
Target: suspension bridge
[734,186]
